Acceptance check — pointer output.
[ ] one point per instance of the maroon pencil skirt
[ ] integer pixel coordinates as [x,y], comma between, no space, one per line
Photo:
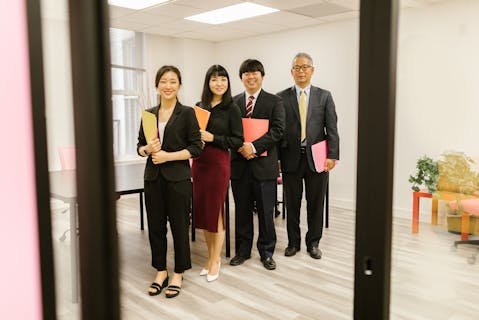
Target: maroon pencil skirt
[211,174]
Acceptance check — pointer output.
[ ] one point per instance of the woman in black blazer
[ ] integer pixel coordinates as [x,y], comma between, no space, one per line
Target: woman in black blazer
[168,179]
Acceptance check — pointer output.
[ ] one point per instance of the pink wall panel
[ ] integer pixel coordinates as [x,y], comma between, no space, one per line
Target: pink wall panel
[20,295]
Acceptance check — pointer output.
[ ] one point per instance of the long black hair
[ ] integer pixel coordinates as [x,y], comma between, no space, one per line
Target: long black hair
[207,95]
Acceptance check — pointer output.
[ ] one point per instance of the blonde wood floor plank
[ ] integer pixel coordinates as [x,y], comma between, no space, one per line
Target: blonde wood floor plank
[429,281]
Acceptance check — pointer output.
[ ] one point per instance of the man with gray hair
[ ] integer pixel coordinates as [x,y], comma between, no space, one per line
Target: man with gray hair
[310,118]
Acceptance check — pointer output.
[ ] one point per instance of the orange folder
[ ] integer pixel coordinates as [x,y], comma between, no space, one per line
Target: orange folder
[320,153]
[254,129]
[202,116]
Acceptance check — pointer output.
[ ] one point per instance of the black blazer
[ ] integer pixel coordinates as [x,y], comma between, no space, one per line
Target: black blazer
[321,124]
[181,132]
[267,106]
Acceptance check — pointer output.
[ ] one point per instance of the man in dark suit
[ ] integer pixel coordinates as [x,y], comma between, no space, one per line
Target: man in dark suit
[253,175]
[310,118]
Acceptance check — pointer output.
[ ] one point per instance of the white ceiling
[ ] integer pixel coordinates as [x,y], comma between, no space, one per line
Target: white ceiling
[168,19]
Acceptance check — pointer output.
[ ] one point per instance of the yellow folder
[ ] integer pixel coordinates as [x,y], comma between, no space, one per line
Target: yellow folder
[149,125]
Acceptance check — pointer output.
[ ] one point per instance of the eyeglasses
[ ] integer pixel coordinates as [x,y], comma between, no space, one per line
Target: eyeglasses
[304,67]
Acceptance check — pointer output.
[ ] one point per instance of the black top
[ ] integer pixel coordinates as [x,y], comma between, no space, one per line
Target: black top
[181,132]
[225,125]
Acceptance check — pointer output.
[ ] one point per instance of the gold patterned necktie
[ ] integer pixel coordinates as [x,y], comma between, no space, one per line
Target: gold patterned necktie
[302,114]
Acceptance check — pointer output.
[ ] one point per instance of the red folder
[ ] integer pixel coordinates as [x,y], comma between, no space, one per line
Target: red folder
[320,154]
[254,129]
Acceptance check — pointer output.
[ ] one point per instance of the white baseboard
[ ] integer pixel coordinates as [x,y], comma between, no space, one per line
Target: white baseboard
[398,212]
[347,204]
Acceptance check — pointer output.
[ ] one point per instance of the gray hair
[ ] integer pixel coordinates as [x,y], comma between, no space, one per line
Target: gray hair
[302,55]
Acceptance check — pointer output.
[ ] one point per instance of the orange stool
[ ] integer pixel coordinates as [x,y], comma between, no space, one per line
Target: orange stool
[469,207]
[416,195]
[440,195]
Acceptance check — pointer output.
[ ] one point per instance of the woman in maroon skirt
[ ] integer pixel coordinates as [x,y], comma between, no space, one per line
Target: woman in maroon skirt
[211,170]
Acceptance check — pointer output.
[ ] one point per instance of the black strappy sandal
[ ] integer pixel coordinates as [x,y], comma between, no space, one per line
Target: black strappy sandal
[174,288]
[157,287]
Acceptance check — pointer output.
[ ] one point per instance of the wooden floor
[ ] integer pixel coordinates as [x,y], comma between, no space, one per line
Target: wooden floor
[429,280]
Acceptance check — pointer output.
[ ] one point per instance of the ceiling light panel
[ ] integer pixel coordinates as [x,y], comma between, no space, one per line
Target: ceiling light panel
[232,13]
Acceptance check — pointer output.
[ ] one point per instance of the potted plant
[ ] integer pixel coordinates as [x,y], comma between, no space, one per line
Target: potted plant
[427,175]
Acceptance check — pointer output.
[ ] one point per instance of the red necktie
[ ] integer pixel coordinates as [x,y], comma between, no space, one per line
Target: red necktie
[249,107]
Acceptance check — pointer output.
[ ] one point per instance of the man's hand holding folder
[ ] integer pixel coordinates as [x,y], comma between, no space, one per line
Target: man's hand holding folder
[320,153]
[253,129]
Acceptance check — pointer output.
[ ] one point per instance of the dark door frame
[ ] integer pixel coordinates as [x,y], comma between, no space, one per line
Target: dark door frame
[41,158]
[91,81]
[375,164]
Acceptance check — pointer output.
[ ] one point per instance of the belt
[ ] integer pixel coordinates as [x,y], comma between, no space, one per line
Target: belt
[303,150]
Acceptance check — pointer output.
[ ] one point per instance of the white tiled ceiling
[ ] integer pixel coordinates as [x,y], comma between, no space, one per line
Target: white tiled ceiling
[168,19]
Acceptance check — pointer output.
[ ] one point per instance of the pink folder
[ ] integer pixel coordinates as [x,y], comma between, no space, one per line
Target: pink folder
[254,129]
[320,153]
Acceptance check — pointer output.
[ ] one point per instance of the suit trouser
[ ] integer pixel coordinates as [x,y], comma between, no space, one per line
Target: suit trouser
[246,191]
[168,200]
[315,185]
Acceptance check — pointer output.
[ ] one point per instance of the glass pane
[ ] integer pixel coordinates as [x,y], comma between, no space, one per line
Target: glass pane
[61,154]
[436,115]
[130,90]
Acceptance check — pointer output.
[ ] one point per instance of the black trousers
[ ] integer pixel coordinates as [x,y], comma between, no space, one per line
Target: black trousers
[246,192]
[315,185]
[167,200]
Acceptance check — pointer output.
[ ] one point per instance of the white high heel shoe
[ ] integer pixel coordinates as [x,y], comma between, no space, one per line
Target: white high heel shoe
[213,277]
[203,272]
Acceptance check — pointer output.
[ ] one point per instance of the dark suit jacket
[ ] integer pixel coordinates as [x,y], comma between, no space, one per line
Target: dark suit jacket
[321,124]
[267,106]
[181,132]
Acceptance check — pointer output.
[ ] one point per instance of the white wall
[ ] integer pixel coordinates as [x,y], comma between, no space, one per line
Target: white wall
[334,48]
[437,97]
[192,57]
[57,77]
[437,72]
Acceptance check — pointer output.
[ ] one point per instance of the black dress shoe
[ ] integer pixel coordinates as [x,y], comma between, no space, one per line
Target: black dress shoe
[315,252]
[269,263]
[237,260]
[290,251]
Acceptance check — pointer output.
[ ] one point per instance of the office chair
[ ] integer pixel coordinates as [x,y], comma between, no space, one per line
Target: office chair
[277,212]
[470,207]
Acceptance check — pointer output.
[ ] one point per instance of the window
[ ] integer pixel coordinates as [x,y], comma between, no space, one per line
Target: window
[130,90]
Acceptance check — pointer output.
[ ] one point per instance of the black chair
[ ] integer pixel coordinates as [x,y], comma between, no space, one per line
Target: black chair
[472,258]
[469,208]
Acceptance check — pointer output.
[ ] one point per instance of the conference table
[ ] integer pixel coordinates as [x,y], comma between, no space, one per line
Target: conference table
[128,180]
